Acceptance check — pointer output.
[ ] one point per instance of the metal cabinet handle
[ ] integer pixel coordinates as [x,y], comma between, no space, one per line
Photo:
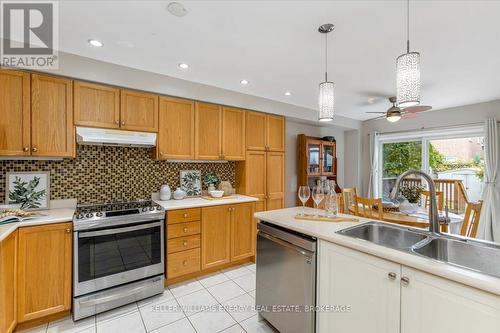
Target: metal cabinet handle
[185,229]
[185,262]
[185,243]
[405,280]
[123,123]
[117,122]
[68,231]
[26,149]
[186,216]
[34,149]
[392,276]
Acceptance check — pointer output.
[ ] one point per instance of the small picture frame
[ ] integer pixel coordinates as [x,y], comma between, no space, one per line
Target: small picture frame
[29,190]
[191,182]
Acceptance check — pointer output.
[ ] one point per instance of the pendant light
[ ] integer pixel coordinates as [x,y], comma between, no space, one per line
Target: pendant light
[326,88]
[408,71]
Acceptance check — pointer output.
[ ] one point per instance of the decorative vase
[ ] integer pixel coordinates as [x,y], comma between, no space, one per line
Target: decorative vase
[179,194]
[165,192]
[211,188]
[226,187]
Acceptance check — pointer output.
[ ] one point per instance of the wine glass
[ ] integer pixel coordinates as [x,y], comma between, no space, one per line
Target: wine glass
[304,195]
[317,195]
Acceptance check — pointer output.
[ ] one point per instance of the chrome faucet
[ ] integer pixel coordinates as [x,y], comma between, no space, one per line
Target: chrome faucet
[433,207]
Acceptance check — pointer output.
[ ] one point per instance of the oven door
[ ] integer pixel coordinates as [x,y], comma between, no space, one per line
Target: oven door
[113,256]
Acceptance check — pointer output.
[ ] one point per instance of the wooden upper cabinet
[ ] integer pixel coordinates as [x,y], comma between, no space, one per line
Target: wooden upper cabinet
[96,105]
[176,129]
[233,134]
[44,270]
[15,113]
[215,236]
[275,180]
[8,283]
[208,130]
[242,231]
[275,138]
[52,131]
[256,130]
[265,132]
[139,111]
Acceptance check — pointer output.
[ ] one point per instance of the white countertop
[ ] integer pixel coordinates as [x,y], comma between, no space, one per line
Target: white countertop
[200,202]
[55,215]
[326,231]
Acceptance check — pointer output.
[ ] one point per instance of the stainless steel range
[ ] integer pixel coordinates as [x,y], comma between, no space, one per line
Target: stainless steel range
[118,255]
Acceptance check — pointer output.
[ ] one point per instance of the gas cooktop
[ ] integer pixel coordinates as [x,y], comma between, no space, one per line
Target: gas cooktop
[101,211]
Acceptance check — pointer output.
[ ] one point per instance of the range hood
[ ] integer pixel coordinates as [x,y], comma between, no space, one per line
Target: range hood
[108,137]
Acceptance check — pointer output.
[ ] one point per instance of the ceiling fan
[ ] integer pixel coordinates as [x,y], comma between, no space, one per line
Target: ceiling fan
[394,113]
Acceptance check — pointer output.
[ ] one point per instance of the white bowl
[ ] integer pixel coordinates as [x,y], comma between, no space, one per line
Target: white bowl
[216,194]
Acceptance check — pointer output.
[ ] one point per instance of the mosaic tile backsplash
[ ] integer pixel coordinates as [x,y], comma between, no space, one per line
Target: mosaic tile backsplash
[111,173]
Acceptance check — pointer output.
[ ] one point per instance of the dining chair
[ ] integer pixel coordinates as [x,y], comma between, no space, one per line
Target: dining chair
[471,219]
[427,199]
[370,207]
[340,203]
[349,195]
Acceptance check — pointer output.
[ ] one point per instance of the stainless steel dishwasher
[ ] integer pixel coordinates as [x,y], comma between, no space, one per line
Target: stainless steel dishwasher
[286,279]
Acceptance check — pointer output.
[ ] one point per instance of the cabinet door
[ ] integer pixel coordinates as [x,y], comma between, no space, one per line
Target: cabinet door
[15,110]
[255,174]
[52,132]
[208,130]
[215,236]
[176,129]
[44,270]
[256,130]
[361,282]
[242,231]
[8,283]
[96,105]
[432,304]
[275,138]
[313,151]
[139,111]
[233,134]
[275,180]
[328,159]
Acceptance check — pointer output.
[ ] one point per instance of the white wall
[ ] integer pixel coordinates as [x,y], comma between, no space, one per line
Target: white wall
[293,128]
[458,116]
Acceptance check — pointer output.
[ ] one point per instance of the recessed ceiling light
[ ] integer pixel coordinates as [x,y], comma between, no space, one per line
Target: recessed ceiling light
[244,82]
[177,9]
[287,93]
[95,42]
[183,65]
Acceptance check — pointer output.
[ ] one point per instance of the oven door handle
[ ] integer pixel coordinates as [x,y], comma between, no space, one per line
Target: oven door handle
[117,230]
[110,298]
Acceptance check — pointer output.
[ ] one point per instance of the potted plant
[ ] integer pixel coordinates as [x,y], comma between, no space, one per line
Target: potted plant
[411,193]
[211,180]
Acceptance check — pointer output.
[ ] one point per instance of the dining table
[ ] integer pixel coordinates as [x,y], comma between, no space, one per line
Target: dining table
[419,218]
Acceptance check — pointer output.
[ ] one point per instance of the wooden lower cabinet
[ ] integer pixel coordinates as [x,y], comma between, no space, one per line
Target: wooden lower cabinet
[44,270]
[242,231]
[184,262]
[8,283]
[215,236]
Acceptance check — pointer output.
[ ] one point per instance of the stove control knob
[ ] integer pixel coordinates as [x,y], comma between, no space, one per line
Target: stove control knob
[145,209]
[89,215]
[79,216]
[159,208]
[151,208]
[99,214]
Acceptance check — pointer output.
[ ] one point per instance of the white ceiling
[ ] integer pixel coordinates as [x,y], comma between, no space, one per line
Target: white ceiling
[275,45]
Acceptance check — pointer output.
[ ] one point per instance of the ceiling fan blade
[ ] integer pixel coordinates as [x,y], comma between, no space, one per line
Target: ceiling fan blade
[417,108]
[409,115]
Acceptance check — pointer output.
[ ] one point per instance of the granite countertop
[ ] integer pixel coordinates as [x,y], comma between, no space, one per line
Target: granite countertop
[200,202]
[326,231]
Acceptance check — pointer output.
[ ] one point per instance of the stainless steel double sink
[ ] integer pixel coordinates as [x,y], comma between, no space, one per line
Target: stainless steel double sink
[479,256]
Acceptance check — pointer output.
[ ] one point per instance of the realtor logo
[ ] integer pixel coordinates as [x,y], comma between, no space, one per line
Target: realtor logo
[29,33]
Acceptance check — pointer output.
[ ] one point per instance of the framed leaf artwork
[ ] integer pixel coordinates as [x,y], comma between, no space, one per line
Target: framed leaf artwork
[28,190]
[191,182]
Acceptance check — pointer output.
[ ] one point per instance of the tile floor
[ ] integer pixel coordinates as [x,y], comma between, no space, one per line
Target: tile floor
[220,302]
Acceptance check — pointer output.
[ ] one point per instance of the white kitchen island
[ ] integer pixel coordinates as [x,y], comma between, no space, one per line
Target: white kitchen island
[381,290]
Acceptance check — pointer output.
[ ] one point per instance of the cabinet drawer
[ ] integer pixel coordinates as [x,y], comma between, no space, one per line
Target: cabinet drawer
[183,229]
[183,215]
[182,263]
[183,243]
